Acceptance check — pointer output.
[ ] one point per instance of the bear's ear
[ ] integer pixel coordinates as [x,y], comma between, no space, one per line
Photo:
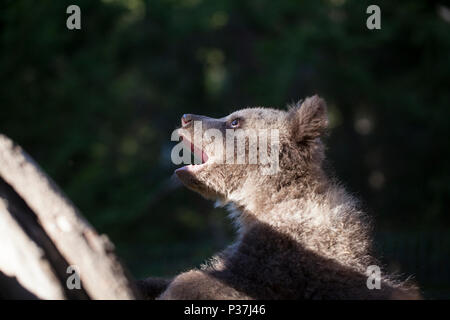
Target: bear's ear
[308,119]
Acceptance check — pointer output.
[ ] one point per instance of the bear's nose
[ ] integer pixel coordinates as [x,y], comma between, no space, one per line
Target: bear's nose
[185,119]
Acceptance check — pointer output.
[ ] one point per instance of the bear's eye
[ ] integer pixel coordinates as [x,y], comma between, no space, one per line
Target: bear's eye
[234,123]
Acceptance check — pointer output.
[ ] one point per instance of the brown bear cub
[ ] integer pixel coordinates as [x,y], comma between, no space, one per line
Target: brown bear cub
[300,235]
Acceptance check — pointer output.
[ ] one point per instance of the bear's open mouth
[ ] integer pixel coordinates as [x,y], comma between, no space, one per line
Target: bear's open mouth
[199,156]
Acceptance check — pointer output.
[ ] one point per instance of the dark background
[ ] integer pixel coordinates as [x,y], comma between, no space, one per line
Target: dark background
[96,108]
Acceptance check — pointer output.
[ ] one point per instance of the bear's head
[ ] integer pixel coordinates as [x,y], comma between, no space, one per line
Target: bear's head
[253,150]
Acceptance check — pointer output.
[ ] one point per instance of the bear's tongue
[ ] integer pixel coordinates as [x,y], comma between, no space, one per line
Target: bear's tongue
[199,154]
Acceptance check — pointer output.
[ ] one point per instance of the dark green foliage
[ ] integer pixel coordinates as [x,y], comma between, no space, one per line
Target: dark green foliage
[96,108]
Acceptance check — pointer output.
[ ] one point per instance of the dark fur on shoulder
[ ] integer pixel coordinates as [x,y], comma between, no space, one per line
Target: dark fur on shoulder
[152,287]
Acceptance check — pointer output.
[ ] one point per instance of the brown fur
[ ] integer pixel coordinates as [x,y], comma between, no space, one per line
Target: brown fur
[301,236]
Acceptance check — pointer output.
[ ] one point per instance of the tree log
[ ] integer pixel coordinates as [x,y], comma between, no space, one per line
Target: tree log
[42,233]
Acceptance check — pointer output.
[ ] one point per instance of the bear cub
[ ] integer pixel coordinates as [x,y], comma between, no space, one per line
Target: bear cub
[300,234]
